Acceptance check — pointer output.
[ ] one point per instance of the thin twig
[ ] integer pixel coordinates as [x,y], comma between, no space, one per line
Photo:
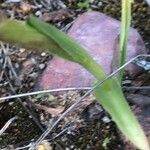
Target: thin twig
[137,87]
[24,147]
[9,63]
[32,113]
[3,99]
[3,68]
[50,128]
[8,123]
[8,98]
[62,132]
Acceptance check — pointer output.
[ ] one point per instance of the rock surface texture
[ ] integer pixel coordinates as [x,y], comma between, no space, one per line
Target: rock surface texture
[98,34]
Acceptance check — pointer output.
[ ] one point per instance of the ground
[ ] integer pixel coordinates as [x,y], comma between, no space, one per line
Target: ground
[89,126]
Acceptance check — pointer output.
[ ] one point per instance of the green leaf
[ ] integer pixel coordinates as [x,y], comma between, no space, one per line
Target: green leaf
[115,104]
[125,25]
[23,35]
[71,47]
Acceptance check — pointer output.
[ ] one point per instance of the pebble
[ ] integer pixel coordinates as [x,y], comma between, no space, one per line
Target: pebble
[43,54]
[42,66]
[38,13]
[106,119]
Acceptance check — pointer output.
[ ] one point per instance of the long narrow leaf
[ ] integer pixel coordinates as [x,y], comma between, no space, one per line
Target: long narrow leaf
[67,44]
[21,34]
[125,25]
[115,104]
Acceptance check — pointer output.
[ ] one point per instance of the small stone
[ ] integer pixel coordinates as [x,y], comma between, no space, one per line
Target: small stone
[98,34]
[17,65]
[22,50]
[42,66]
[106,119]
[33,75]
[43,54]
[38,13]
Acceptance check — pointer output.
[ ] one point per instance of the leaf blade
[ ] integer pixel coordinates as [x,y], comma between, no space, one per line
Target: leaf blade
[115,104]
[125,26]
[19,32]
[78,54]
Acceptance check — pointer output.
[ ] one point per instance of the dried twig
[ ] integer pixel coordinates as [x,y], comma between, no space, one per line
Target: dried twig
[138,87]
[68,129]
[8,123]
[8,98]
[24,147]
[8,60]
[53,111]
[3,99]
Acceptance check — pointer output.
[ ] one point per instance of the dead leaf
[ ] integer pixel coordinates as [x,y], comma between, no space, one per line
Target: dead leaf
[24,8]
[58,15]
[53,111]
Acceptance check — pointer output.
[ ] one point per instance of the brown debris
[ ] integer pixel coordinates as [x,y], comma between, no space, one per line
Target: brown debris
[56,16]
[24,8]
[53,111]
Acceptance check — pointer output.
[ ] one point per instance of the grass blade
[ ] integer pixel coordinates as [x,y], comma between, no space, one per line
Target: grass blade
[125,25]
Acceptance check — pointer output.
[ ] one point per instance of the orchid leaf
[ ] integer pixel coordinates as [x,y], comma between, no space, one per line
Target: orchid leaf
[114,103]
[22,34]
[71,47]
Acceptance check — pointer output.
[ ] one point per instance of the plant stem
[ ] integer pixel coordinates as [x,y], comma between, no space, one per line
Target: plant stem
[125,25]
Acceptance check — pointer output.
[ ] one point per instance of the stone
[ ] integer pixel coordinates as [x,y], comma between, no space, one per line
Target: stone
[98,34]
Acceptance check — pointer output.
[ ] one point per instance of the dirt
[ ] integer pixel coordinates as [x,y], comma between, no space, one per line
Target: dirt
[88,126]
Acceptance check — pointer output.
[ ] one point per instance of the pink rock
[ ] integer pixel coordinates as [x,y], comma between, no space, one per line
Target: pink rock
[61,73]
[98,34]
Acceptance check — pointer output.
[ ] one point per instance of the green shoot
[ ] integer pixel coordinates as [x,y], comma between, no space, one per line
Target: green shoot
[125,25]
